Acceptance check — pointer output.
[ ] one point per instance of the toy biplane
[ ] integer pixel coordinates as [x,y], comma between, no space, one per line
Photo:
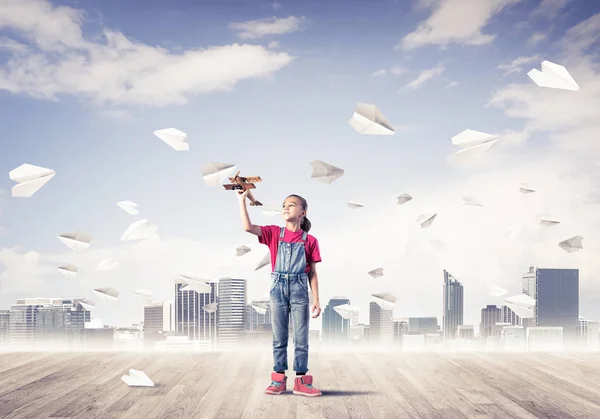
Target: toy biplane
[242,183]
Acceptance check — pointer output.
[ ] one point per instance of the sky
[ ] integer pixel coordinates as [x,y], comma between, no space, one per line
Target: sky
[269,87]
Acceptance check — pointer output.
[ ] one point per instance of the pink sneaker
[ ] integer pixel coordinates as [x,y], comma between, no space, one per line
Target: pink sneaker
[303,386]
[277,384]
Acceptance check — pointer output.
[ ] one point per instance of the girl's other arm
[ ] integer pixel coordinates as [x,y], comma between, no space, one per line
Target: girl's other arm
[246,223]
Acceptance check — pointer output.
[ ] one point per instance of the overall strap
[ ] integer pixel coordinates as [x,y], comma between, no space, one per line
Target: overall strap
[281,232]
[304,235]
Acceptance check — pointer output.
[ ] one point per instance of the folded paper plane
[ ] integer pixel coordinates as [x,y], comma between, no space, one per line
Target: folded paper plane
[137,378]
[107,293]
[269,212]
[548,222]
[385,300]
[195,283]
[355,205]
[78,241]
[129,207]
[87,304]
[215,173]
[376,273]
[524,189]
[404,198]
[210,308]
[471,140]
[266,260]
[107,264]
[140,230]
[242,250]
[260,308]
[144,293]
[367,119]
[572,245]
[175,138]
[426,220]
[325,172]
[554,76]
[30,179]
[347,311]
[68,271]
[522,305]
[469,200]
[497,291]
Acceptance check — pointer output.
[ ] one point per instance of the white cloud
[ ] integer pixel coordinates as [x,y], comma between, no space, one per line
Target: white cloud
[22,274]
[516,65]
[548,9]
[424,76]
[276,5]
[267,26]
[114,70]
[396,71]
[536,38]
[455,21]
[452,84]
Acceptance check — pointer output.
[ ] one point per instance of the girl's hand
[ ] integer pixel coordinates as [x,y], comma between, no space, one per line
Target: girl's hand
[242,195]
[315,309]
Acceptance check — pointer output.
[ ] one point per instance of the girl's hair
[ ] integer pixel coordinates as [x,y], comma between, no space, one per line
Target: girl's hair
[305,223]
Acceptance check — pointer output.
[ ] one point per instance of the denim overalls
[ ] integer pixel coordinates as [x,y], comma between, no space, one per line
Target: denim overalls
[289,295]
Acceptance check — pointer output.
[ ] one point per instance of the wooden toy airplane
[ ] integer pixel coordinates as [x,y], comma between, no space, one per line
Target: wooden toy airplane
[242,183]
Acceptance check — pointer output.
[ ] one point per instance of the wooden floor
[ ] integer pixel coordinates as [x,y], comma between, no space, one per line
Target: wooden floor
[354,385]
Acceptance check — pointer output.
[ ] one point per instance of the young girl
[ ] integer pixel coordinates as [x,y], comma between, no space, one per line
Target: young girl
[294,254]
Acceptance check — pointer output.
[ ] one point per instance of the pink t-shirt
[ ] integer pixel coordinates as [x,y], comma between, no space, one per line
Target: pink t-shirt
[270,237]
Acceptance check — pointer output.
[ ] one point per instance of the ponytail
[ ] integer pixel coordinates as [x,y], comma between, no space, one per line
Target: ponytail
[305,224]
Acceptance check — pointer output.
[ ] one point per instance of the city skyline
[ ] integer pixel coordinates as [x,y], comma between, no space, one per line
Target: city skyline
[101,82]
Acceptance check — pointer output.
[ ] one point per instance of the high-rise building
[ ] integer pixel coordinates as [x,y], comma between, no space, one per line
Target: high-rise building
[381,326]
[158,317]
[231,304]
[335,328]
[4,327]
[207,320]
[556,292]
[422,325]
[453,305]
[490,315]
[187,311]
[509,316]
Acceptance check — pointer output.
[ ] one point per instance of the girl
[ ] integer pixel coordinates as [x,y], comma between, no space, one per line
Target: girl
[294,255]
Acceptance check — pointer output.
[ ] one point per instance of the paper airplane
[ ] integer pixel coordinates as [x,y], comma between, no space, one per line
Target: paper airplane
[522,305]
[385,300]
[469,200]
[471,140]
[30,179]
[496,291]
[404,198]
[137,378]
[347,311]
[87,304]
[242,250]
[554,76]
[78,241]
[68,271]
[107,293]
[264,261]
[140,230]
[376,273]
[175,138]
[129,207]
[260,308]
[524,189]
[210,308]
[215,173]
[325,172]
[548,222]
[355,205]
[144,293]
[572,245]
[195,283]
[107,264]
[367,119]
[426,219]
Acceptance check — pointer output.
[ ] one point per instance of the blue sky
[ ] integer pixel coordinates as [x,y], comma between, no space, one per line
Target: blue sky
[286,102]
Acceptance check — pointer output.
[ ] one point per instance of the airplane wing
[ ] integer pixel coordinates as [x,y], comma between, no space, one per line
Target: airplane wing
[251,179]
[232,186]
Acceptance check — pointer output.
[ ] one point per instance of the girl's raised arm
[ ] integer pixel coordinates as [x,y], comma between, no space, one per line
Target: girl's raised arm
[246,223]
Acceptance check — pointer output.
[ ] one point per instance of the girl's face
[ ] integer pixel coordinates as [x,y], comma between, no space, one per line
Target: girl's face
[292,209]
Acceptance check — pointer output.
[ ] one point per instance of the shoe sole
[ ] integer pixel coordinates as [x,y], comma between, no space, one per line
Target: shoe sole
[274,392]
[306,394]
